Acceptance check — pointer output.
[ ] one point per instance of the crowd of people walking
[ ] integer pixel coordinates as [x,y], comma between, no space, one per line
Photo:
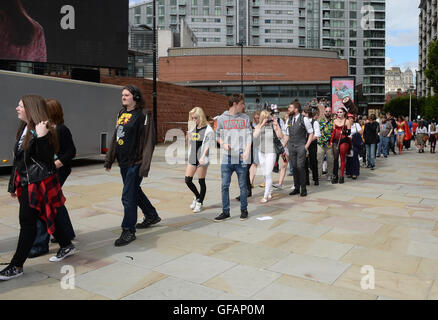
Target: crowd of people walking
[312,140]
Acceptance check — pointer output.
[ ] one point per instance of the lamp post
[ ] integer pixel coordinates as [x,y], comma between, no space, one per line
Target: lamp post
[410,103]
[241,65]
[154,53]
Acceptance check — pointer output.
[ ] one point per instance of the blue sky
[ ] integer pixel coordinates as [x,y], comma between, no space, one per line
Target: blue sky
[401,33]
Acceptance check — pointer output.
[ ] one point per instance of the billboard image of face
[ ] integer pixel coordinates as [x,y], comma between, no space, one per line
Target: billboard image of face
[341,88]
[73,32]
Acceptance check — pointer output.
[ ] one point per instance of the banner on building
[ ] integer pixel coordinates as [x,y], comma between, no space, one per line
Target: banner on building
[341,87]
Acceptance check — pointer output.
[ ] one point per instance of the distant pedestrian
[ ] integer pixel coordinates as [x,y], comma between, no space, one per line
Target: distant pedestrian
[324,149]
[341,144]
[433,132]
[298,137]
[353,162]
[133,145]
[200,138]
[371,136]
[422,136]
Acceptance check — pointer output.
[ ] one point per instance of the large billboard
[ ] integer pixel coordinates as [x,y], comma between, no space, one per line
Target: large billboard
[74,32]
[341,87]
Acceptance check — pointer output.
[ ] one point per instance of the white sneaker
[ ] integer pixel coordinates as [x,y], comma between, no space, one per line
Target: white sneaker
[277,186]
[198,207]
[292,187]
[192,206]
[264,200]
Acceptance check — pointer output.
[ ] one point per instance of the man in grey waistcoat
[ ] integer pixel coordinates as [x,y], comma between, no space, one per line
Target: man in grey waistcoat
[299,135]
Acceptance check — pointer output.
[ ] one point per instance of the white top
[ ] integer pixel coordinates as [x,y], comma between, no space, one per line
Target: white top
[316,129]
[431,132]
[307,124]
[355,128]
[20,142]
[422,130]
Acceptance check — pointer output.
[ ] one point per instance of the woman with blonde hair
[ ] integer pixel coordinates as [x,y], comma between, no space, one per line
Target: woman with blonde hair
[264,141]
[200,137]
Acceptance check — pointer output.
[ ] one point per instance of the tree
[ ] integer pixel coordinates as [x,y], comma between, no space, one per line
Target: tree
[399,106]
[431,71]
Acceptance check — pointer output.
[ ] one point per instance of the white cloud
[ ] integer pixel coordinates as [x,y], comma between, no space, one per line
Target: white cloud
[402,39]
[402,15]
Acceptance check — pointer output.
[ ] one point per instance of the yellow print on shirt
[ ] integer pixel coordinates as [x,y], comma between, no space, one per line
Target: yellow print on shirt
[124,118]
[195,136]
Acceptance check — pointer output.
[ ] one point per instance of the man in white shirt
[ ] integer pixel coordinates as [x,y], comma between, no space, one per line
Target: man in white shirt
[298,139]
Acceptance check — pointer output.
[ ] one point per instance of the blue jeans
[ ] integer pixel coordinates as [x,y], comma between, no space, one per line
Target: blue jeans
[133,197]
[371,154]
[226,172]
[385,145]
[379,148]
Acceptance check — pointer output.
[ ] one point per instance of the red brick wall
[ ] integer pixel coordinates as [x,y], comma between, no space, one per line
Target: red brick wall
[173,102]
[279,68]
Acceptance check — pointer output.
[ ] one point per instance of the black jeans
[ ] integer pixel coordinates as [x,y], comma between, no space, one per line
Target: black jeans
[313,161]
[28,225]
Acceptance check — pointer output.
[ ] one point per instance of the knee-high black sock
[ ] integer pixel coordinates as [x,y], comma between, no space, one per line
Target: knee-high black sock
[192,187]
[203,190]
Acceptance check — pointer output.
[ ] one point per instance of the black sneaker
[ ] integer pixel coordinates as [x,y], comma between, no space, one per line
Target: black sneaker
[10,272]
[63,253]
[243,214]
[125,238]
[341,180]
[303,193]
[222,217]
[316,183]
[334,180]
[249,195]
[37,253]
[147,222]
[296,191]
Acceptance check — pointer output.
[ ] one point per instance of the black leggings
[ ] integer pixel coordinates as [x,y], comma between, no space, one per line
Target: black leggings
[199,196]
[28,220]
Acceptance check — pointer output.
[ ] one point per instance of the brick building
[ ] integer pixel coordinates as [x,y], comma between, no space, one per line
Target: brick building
[273,75]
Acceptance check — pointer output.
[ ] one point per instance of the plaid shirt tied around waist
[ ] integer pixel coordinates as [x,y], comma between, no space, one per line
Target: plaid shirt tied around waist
[45,196]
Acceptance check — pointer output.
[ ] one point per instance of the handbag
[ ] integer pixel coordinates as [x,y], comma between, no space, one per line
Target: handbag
[278,146]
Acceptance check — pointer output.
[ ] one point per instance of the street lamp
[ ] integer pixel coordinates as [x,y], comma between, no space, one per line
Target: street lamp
[410,102]
[154,53]
[241,65]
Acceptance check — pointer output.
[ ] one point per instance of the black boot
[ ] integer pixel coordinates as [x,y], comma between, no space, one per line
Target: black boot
[341,180]
[316,183]
[334,179]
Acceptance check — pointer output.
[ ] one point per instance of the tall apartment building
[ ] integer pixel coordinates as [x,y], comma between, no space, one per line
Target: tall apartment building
[395,79]
[428,31]
[355,28]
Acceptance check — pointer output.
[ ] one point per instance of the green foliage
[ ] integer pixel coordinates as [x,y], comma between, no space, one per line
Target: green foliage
[400,106]
[432,65]
[429,107]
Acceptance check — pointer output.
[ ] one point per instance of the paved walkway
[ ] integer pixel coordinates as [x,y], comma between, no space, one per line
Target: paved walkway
[312,248]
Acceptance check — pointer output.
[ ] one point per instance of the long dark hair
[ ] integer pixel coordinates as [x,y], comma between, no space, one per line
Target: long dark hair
[36,111]
[19,27]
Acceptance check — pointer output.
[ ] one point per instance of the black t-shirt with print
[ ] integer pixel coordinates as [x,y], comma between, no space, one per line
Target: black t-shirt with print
[196,138]
[128,125]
